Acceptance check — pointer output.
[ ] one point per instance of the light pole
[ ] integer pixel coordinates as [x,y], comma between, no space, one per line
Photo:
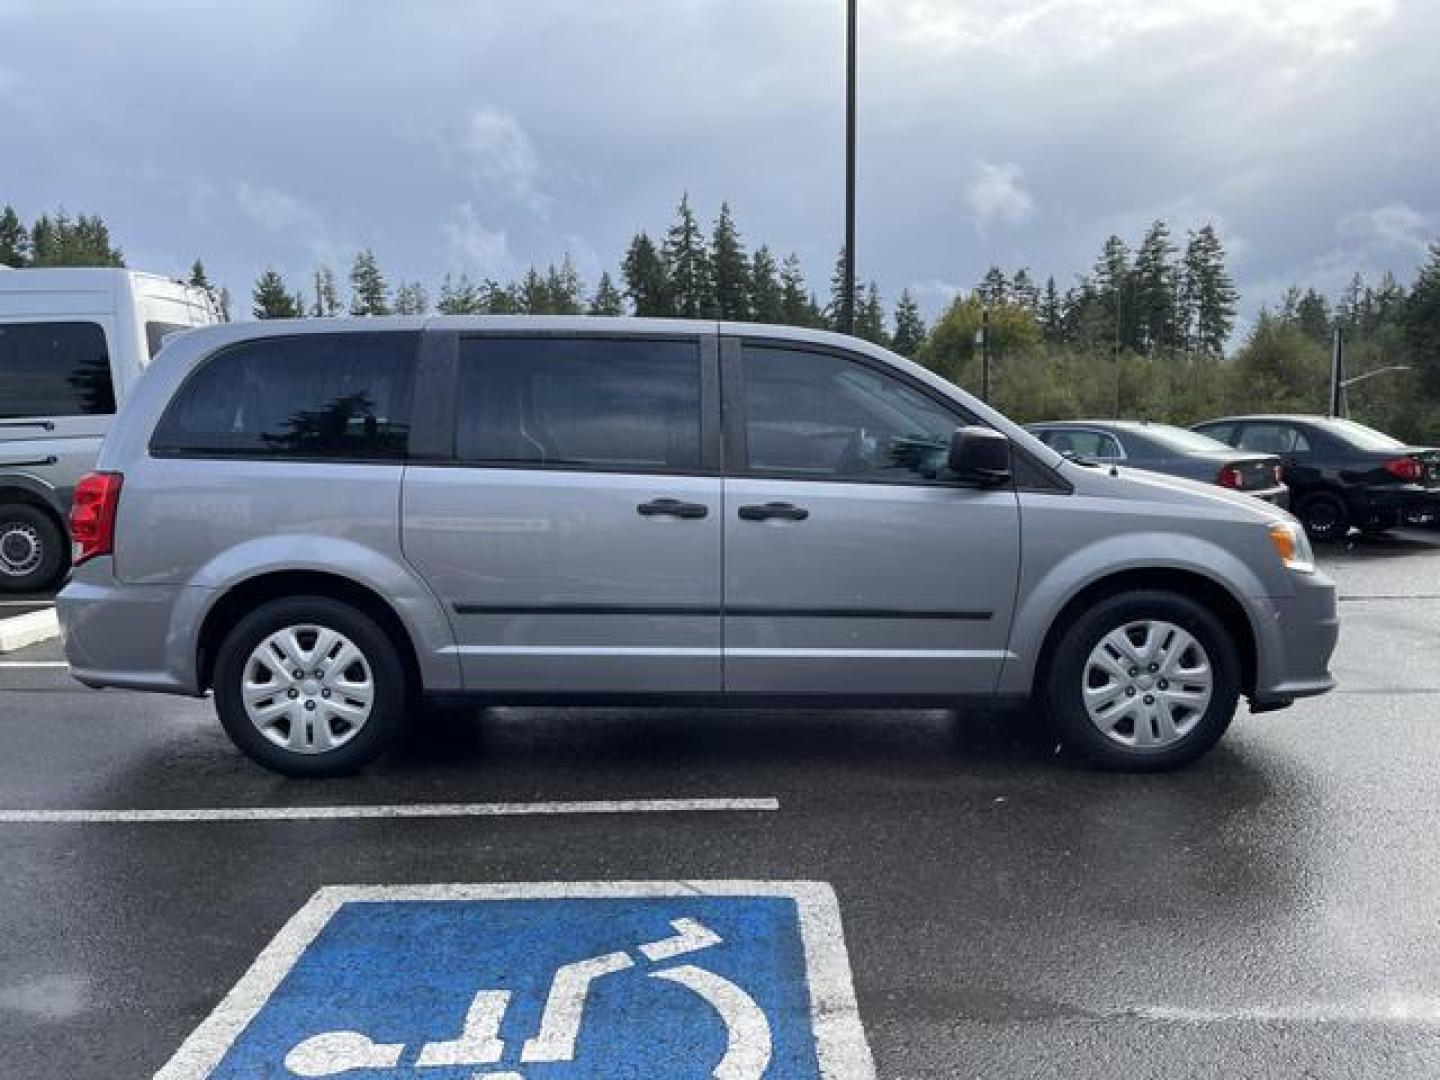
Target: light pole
[847,304]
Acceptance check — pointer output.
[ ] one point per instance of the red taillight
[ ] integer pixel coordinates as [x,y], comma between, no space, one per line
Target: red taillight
[92,515]
[1406,468]
[1230,477]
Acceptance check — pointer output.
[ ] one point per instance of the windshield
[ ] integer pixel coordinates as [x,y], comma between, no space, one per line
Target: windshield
[1362,437]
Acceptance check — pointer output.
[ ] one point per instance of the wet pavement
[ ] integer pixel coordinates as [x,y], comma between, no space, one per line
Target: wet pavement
[1271,911]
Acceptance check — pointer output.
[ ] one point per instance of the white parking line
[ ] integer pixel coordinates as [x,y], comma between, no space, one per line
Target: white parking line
[33,664]
[1400,1010]
[431,810]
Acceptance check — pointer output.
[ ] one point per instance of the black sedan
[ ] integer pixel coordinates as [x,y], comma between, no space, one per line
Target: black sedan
[1165,449]
[1341,473]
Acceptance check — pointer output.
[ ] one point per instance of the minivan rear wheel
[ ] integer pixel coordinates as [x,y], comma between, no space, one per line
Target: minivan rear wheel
[33,555]
[1143,681]
[309,686]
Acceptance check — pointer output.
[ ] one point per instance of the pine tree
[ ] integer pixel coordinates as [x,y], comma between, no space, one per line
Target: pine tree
[532,294]
[730,269]
[199,279]
[369,294]
[1051,312]
[271,298]
[67,241]
[687,266]
[458,297]
[14,239]
[909,326]
[870,317]
[1312,316]
[835,309]
[411,299]
[1113,310]
[1207,293]
[496,299]
[327,297]
[1420,320]
[797,304]
[565,293]
[994,288]
[767,294]
[1153,289]
[1024,292]
[607,300]
[646,283]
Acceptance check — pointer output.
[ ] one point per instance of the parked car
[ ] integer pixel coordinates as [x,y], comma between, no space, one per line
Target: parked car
[318,519]
[72,344]
[1166,449]
[1341,473]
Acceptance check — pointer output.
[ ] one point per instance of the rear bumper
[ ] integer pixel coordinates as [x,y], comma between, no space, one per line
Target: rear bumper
[1295,642]
[121,635]
[1279,495]
[1402,502]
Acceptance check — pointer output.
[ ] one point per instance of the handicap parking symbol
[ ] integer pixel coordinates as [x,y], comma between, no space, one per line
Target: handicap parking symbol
[549,981]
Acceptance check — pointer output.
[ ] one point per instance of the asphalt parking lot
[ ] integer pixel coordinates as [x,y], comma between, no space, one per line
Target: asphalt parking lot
[1270,912]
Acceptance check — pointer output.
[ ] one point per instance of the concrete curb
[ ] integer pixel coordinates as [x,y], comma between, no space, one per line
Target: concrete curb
[18,631]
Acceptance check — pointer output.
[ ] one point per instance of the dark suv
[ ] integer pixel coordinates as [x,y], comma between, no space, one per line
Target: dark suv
[1340,473]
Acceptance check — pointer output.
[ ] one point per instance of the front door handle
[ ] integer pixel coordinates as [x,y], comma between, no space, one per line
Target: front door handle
[672,508]
[783,510]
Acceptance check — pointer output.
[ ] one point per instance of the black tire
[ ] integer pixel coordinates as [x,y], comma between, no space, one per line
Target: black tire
[34,553]
[1325,517]
[386,670]
[1063,682]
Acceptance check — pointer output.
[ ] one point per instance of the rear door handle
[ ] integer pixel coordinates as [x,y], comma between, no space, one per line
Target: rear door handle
[672,508]
[783,510]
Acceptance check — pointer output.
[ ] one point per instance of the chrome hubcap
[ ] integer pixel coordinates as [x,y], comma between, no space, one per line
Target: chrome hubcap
[1147,684]
[20,549]
[308,689]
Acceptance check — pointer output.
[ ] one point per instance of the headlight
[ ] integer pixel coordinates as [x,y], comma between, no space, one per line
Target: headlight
[1293,546]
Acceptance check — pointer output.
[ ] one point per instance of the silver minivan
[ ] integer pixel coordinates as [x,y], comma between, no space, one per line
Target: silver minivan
[327,522]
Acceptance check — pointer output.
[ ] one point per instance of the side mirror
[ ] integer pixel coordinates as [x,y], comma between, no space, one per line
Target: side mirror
[980,455]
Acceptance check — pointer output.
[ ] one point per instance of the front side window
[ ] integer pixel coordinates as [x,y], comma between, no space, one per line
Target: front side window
[602,403]
[330,396]
[54,369]
[810,414]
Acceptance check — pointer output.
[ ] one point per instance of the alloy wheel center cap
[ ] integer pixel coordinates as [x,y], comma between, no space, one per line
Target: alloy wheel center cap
[310,687]
[1146,682]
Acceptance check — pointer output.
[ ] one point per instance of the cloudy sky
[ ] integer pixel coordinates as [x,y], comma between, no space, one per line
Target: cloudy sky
[483,135]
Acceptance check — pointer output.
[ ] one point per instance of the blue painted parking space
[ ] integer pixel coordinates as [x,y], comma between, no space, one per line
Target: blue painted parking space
[737,981]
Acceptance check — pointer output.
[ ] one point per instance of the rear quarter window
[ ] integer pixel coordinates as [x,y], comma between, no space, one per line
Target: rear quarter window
[54,369]
[339,397]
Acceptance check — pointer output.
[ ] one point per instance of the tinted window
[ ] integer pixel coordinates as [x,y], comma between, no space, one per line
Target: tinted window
[814,414]
[155,334]
[1224,433]
[579,402]
[54,369]
[1095,445]
[1181,441]
[1273,439]
[337,396]
[1362,437]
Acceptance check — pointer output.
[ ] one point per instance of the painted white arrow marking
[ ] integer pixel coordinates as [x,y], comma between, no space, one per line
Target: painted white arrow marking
[336,1052]
[560,1023]
[748,1054]
[692,937]
[479,1042]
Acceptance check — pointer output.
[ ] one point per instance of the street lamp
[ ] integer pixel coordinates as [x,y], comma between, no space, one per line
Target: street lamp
[1347,383]
[847,303]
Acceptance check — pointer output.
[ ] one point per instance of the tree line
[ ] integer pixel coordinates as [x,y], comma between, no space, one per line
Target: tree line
[1141,334]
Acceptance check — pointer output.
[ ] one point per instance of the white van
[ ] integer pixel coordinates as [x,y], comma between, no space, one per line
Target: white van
[72,344]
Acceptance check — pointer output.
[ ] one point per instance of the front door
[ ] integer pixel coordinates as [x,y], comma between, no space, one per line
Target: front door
[573,534]
[852,564]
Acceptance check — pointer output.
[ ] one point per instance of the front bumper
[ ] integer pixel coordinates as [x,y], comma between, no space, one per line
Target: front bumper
[1295,641]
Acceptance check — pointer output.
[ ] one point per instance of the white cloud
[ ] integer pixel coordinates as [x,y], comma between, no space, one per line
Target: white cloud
[500,158]
[275,210]
[476,248]
[996,193]
[1394,226]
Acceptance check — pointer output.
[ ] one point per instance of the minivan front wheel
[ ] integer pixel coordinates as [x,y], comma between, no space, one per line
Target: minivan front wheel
[309,686]
[1143,681]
